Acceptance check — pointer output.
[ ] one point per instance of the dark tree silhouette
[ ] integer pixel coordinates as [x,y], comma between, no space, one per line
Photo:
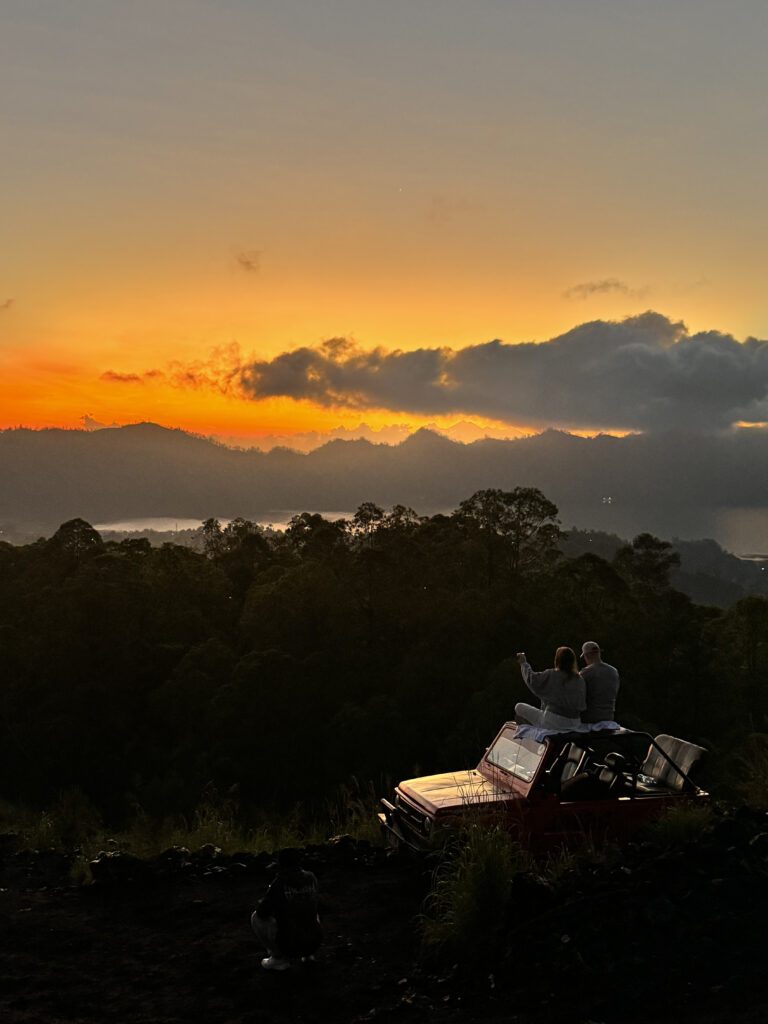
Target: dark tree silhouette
[282,663]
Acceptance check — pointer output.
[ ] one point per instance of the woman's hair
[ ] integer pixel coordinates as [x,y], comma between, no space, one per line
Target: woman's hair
[565,660]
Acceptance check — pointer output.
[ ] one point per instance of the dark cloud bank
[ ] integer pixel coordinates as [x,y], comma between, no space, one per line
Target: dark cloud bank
[643,373]
[685,471]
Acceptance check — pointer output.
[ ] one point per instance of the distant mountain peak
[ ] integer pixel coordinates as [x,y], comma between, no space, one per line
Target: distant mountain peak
[339,443]
[424,437]
[152,437]
[552,437]
[147,428]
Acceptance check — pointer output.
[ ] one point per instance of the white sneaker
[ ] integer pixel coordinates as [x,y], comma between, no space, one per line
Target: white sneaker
[275,963]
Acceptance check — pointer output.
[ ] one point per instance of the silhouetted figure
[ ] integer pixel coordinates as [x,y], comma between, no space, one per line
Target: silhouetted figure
[560,689]
[602,681]
[286,920]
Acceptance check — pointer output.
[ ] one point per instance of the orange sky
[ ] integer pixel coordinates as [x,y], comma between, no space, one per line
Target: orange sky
[181,178]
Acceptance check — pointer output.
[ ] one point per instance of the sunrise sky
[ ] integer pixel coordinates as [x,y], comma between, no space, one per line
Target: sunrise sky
[197,194]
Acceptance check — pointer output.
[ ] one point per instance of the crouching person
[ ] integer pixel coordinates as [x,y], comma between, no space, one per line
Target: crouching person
[286,921]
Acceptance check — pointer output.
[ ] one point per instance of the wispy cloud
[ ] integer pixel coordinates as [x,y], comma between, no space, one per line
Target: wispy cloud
[219,372]
[608,284]
[114,377]
[249,260]
[90,423]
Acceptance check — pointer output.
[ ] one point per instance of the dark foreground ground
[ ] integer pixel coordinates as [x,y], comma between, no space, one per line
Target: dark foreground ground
[658,935]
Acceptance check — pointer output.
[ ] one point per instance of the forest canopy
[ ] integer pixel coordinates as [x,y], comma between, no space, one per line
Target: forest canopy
[380,646]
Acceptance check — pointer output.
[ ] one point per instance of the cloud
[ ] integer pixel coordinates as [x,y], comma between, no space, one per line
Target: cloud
[6,305]
[249,260]
[114,377]
[219,372]
[91,424]
[643,373]
[608,284]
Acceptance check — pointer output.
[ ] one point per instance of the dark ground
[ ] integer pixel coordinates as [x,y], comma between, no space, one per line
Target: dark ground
[662,937]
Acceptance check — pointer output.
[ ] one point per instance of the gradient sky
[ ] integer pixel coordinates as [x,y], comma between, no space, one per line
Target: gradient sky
[183,175]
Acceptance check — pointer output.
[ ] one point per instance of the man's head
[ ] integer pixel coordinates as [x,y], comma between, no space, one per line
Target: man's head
[590,652]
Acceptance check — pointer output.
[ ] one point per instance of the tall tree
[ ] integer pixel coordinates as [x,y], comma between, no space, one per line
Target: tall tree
[647,562]
[520,526]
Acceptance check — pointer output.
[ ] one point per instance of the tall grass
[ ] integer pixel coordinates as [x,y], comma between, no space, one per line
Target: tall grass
[681,823]
[467,906]
[353,811]
[72,825]
[70,822]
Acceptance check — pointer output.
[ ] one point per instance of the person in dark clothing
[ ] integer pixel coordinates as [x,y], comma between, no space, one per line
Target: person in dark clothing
[602,683]
[286,920]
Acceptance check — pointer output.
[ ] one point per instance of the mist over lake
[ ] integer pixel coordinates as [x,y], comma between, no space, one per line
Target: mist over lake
[744,532]
[278,520]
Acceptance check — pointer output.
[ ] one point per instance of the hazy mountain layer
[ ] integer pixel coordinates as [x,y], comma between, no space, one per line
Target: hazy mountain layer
[684,485]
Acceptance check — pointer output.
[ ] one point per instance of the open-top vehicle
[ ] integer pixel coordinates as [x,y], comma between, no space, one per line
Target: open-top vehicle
[549,788]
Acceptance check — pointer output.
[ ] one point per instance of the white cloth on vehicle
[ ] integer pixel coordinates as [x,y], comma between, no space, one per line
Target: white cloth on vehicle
[545,718]
[539,732]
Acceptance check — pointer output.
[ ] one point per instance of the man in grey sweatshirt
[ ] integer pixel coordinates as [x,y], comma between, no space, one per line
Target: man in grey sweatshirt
[602,681]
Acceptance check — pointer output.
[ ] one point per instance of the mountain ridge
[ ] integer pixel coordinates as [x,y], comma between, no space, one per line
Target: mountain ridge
[674,484]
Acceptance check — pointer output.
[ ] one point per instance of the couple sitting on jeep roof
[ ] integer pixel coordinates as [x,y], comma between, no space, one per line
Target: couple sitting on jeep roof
[568,697]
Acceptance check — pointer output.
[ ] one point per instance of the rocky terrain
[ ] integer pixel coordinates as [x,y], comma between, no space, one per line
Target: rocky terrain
[655,932]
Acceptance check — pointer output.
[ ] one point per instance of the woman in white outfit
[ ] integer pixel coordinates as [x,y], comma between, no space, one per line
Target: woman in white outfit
[561,689]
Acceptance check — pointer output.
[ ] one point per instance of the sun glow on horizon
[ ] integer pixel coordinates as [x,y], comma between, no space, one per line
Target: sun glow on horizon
[205,397]
[236,192]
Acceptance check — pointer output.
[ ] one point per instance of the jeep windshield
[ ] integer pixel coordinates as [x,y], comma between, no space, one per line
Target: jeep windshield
[519,757]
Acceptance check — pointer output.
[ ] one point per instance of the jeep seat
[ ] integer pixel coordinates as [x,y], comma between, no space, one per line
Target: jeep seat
[684,754]
[574,761]
[565,766]
[612,774]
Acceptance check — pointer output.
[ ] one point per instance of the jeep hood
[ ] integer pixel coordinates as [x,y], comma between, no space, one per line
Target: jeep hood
[452,791]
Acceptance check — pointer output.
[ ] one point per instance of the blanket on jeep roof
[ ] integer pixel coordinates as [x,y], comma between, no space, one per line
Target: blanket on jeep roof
[537,733]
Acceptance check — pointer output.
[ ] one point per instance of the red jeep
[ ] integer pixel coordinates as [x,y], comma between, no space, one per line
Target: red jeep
[550,788]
